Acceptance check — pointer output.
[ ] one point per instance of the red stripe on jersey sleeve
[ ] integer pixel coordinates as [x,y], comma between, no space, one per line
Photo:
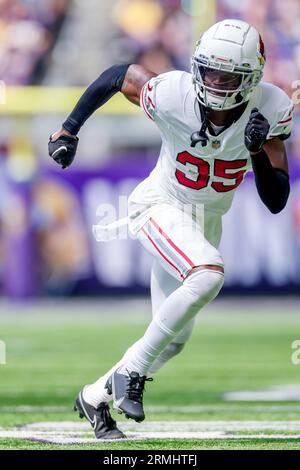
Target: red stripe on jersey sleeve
[142,102]
[286,120]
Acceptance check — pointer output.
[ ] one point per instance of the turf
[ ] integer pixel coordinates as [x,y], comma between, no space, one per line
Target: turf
[53,349]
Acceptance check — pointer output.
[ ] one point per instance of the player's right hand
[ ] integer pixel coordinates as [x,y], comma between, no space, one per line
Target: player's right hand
[256,131]
[62,148]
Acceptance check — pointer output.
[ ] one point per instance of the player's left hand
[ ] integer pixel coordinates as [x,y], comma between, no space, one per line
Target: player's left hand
[256,131]
[62,148]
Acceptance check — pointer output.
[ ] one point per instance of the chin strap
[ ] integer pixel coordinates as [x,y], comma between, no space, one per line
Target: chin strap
[201,136]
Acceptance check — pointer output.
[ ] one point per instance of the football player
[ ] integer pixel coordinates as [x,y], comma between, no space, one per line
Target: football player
[216,123]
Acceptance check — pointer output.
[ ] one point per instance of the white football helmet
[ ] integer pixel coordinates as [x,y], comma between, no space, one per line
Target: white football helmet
[227,64]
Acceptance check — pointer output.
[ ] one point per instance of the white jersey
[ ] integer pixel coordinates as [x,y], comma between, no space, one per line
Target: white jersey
[203,178]
[201,175]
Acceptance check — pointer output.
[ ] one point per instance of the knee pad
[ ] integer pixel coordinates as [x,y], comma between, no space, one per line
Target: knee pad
[205,285]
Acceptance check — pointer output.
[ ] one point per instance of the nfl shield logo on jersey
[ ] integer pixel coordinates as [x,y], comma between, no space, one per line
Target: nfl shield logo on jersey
[216,144]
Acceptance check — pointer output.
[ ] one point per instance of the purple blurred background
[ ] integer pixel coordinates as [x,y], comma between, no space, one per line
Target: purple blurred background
[46,215]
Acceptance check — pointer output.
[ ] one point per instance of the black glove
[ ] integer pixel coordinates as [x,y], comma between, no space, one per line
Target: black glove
[256,131]
[63,150]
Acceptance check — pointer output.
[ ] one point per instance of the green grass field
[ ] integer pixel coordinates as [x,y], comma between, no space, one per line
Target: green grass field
[54,349]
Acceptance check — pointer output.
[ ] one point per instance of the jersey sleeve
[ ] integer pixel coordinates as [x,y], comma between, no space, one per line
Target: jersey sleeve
[278,108]
[156,95]
[153,96]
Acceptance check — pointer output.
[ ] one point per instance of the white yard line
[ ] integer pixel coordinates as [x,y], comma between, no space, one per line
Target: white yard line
[169,426]
[188,409]
[276,393]
[59,438]
[174,435]
[70,432]
[35,409]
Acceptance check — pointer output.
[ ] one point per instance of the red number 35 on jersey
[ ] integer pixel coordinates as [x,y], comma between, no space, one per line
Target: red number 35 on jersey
[220,170]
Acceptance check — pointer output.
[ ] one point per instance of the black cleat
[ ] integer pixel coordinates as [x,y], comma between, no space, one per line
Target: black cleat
[102,423]
[127,390]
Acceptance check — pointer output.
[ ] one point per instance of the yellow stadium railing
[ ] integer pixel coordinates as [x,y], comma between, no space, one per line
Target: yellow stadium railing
[30,100]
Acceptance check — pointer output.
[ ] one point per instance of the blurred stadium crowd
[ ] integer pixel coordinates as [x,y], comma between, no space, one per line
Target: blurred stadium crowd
[28,29]
[156,32]
[53,210]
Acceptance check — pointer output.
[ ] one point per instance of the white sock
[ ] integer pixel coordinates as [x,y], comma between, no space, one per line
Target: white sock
[162,285]
[96,393]
[178,309]
[171,350]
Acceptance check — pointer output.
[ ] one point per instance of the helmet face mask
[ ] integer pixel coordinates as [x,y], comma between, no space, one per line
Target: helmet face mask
[218,80]
[222,81]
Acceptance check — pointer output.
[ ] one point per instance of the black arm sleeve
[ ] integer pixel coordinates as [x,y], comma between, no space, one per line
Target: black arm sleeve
[98,93]
[272,184]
